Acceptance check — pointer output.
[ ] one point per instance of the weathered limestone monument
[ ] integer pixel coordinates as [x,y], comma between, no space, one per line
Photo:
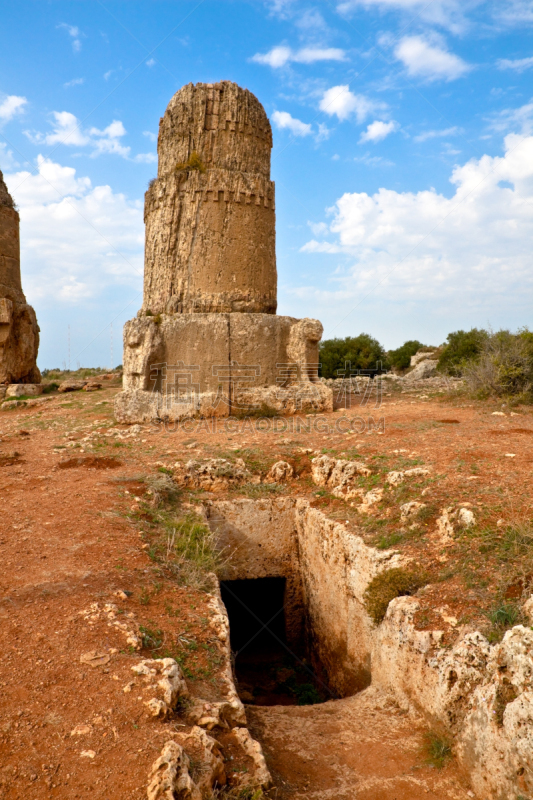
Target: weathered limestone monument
[19,332]
[207,340]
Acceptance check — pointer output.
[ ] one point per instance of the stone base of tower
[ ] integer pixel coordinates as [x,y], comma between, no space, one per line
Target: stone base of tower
[178,366]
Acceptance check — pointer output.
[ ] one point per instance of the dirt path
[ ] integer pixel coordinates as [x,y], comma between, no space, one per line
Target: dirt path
[359,748]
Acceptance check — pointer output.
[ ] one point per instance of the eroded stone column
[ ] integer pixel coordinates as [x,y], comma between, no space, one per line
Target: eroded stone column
[209,214]
[19,332]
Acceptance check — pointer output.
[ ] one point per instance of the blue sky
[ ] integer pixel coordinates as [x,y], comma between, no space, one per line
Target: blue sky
[403,155]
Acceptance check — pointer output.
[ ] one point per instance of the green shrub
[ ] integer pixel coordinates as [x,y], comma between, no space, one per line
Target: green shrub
[462,347]
[396,582]
[362,352]
[401,357]
[504,366]
[503,617]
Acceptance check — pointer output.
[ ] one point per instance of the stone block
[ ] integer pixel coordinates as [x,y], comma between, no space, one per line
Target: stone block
[24,390]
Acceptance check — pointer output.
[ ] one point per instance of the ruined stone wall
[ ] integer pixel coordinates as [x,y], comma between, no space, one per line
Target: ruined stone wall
[19,332]
[210,231]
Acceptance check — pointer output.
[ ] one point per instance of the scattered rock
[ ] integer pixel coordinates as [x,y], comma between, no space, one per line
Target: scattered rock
[164,677]
[24,390]
[169,777]
[424,369]
[466,518]
[206,751]
[88,754]
[370,500]
[215,473]
[412,509]
[340,475]
[280,471]
[261,776]
[71,386]
[81,730]
[394,478]
[95,659]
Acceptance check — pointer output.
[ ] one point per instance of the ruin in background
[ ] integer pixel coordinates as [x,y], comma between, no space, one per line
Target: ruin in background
[19,332]
[207,340]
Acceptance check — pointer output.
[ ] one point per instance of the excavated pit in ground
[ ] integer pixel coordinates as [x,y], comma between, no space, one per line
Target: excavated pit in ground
[268,670]
[289,567]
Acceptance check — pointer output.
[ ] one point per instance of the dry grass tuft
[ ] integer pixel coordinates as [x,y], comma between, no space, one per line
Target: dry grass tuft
[392,583]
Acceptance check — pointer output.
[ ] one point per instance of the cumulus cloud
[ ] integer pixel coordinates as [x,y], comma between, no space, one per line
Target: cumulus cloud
[282,55]
[377,131]
[343,103]
[518,64]
[471,248]
[10,106]
[79,240]
[282,119]
[428,59]
[74,33]
[68,130]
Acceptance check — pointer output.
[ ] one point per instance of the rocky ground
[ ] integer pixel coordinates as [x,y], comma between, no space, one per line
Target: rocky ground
[86,591]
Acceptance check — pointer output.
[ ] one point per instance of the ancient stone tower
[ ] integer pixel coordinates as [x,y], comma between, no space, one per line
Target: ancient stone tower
[209,214]
[19,332]
[207,340]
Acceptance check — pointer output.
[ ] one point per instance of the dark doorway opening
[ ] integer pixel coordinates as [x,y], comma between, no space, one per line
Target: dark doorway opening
[268,669]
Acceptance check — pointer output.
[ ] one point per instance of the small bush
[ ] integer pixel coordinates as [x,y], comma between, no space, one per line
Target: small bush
[503,617]
[50,387]
[400,358]
[194,162]
[363,352]
[392,583]
[162,489]
[462,348]
[504,366]
[437,749]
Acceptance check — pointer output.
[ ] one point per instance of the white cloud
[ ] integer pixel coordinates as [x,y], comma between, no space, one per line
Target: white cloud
[473,248]
[425,58]
[425,135]
[339,100]
[150,135]
[446,13]
[74,235]
[11,105]
[282,119]
[67,130]
[377,131]
[7,159]
[74,32]
[74,82]
[145,158]
[518,64]
[514,12]
[514,119]
[151,62]
[281,55]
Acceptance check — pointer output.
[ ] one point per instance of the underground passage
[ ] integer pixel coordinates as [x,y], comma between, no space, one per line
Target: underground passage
[269,670]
